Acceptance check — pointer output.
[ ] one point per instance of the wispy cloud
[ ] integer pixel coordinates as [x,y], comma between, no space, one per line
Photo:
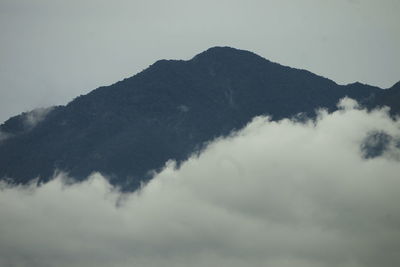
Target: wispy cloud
[3,136]
[28,121]
[274,194]
[32,118]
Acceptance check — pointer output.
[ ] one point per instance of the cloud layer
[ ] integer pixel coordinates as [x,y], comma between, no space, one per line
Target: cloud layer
[274,194]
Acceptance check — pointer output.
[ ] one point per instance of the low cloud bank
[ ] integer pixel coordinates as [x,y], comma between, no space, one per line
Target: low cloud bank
[278,194]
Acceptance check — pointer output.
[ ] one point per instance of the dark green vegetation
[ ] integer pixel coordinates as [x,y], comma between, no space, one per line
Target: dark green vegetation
[168,111]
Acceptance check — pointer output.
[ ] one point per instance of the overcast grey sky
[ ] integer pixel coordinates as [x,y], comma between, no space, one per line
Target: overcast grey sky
[54,50]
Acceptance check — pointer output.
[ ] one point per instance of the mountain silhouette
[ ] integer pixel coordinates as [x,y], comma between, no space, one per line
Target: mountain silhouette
[168,111]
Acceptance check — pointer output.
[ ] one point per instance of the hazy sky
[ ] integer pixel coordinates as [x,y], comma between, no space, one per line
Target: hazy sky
[277,194]
[54,50]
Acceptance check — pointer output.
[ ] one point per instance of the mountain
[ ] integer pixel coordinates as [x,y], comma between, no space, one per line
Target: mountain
[389,97]
[168,111]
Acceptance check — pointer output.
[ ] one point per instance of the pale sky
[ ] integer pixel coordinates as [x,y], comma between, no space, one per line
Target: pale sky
[54,50]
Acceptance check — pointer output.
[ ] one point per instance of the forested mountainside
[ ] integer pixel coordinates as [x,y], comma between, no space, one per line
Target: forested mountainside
[168,111]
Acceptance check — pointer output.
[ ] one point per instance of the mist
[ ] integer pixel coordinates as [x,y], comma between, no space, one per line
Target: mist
[277,193]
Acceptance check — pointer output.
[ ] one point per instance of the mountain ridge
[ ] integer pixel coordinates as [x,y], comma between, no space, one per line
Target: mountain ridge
[167,111]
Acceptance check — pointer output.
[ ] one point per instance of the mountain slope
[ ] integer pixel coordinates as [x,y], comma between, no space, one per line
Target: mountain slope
[389,97]
[167,111]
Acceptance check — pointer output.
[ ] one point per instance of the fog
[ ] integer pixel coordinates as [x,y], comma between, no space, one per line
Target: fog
[278,194]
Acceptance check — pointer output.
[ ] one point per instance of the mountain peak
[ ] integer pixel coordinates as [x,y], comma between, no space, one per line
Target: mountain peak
[223,49]
[225,52]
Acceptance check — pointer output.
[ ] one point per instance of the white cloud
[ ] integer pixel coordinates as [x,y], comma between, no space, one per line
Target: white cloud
[29,120]
[33,117]
[274,194]
[3,136]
